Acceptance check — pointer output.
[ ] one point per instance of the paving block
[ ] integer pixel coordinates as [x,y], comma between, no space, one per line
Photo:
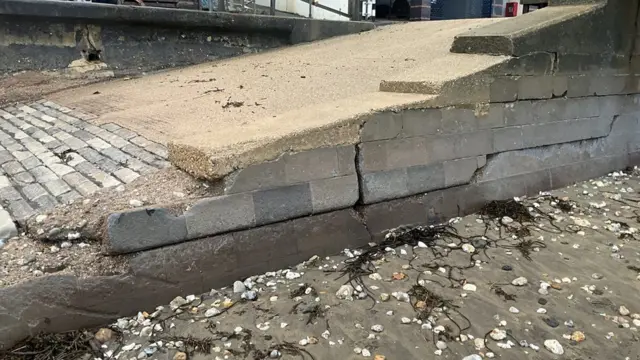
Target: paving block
[421,122]
[508,138]
[7,227]
[292,169]
[459,146]
[608,85]
[383,185]
[23,178]
[535,87]
[382,126]
[320,163]
[80,183]
[579,86]
[20,209]
[392,154]
[220,214]
[565,131]
[459,171]
[142,229]
[282,203]
[12,167]
[334,193]
[504,89]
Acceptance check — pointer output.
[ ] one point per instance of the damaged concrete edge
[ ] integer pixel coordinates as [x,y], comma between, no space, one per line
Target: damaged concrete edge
[59,303]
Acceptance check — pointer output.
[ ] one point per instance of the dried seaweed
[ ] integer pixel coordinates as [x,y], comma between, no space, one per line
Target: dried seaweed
[302,290]
[70,345]
[503,294]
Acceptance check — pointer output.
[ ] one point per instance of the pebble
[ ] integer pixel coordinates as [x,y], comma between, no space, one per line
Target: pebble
[441,345]
[292,275]
[542,301]
[250,295]
[472,357]
[507,220]
[551,322]
[624,311]
[541,311]
[405,320]
[103,335]
[275,354]
[177,302]
[384,297]
[366,353]
[507,267]
[521,281]
[468,248]
[513,310]
[597,276]
[239,287]
[554,346]
[377,328]
[469,287]
[135,203]
[146,331]
[479,343]
[212,312]
[498,334]
[129,347]
[181,356]
[578,336]
[345,292]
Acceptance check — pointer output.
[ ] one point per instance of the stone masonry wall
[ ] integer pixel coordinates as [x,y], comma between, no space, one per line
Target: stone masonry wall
[414,152]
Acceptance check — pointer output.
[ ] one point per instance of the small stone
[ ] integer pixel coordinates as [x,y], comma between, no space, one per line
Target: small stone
[507,267]
[375,276]
[41,218]
[554,346]
[578,336]
[472,357]
[377,328]
[212,312]
[521,281]
[441,345]
[103,335]
[399,276]
[177,302]
[468,248]
[469,287]
[478,343]
[54,249]
[513,310]
[498,334]
[624,311]
[507,220]
[366,353]
[303,342]
[180,356]
[405,320]
[275,354]
[551,322]
[384,297]
[129,347]
[292,275]
[541,311]
[135,203]
[636,322]
[597,276]
[542,301]
[239,287]
[345,292]
[250,295]
[146,331]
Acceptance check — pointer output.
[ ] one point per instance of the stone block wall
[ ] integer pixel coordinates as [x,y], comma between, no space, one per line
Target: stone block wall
[508,147]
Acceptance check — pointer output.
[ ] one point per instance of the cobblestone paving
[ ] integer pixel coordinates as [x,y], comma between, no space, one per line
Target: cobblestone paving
[50,155]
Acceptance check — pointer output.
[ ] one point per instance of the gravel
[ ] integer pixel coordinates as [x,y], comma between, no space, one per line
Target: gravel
[552,306]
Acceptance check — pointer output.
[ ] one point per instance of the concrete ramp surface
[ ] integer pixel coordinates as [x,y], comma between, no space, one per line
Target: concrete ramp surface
[227,108]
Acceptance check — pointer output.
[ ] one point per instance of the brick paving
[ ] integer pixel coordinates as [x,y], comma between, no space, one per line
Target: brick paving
[50,155]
